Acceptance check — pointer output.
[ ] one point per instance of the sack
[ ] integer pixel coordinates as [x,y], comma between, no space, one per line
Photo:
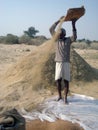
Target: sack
[12,120]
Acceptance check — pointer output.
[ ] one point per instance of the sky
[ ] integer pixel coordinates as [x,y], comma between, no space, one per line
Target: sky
[16,16]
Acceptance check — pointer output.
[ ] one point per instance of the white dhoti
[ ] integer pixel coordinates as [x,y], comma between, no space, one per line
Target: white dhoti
[62,70]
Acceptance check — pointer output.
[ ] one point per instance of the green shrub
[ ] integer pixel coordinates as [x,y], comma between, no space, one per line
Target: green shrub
[11,39]
[2,39]
[80,45]
[24,39]
[94,46]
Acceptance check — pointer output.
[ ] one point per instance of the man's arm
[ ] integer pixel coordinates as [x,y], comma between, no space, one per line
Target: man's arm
[74,36]
[52,28]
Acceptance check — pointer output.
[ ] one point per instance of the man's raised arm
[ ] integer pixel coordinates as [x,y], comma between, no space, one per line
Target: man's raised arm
[74,36]
[52,28]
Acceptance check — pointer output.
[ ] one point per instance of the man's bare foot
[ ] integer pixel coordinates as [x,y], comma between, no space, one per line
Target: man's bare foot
[66,102]
[59,98]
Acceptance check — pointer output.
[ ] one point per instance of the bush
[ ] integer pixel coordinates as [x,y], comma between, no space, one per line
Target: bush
[2,39]
[11,39]
[38,40]
[94,46]
[80,45]
[24,39]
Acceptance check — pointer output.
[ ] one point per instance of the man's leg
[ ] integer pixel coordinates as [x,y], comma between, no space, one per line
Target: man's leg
[59,87]
[66,90]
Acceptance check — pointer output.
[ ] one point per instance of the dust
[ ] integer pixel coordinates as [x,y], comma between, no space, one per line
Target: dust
[23,81]
[29,68]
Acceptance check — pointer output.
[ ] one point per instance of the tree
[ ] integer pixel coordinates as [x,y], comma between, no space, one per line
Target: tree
[31,32]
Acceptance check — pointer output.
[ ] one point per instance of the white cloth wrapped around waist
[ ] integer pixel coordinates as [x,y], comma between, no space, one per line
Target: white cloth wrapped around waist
[62,70]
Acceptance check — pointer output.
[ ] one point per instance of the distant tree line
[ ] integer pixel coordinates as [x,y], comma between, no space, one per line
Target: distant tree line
[85,44]
[29,37]
[87,41]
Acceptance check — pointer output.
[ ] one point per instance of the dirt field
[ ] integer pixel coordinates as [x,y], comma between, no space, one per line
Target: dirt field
[10,54]
[87,88]
[57,125]
[91,56]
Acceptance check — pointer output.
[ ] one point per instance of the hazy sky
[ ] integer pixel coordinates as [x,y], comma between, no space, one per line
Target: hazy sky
[18,15]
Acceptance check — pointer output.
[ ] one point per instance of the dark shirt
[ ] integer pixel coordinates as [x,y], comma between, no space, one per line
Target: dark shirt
[63,46]
[63,50]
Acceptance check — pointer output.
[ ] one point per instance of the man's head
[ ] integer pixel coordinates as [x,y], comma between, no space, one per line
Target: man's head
[62,33]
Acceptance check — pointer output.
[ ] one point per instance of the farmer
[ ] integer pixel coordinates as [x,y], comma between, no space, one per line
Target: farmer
[62,57]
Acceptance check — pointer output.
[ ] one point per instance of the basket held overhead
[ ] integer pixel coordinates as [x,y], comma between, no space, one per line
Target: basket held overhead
[74,13]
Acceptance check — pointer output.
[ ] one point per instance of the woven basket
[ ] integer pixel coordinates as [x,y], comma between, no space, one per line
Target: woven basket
[74,13]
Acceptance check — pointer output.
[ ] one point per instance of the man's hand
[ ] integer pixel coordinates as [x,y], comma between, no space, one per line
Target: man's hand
[74,37]
[74,21]
[62,18]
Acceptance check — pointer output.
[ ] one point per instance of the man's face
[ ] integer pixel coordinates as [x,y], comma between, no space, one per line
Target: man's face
[63,33]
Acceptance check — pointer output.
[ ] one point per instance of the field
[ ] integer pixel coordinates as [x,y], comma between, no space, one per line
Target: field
[11,54]
[87,88]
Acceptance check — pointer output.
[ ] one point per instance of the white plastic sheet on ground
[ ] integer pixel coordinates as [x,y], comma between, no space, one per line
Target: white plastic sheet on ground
[81,109]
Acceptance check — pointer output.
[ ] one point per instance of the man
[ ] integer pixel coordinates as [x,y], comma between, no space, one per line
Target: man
[62,57]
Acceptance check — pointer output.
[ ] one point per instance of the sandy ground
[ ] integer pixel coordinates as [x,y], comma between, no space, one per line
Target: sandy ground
[57,125]
[87,88]
[90,55]
[10,54]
